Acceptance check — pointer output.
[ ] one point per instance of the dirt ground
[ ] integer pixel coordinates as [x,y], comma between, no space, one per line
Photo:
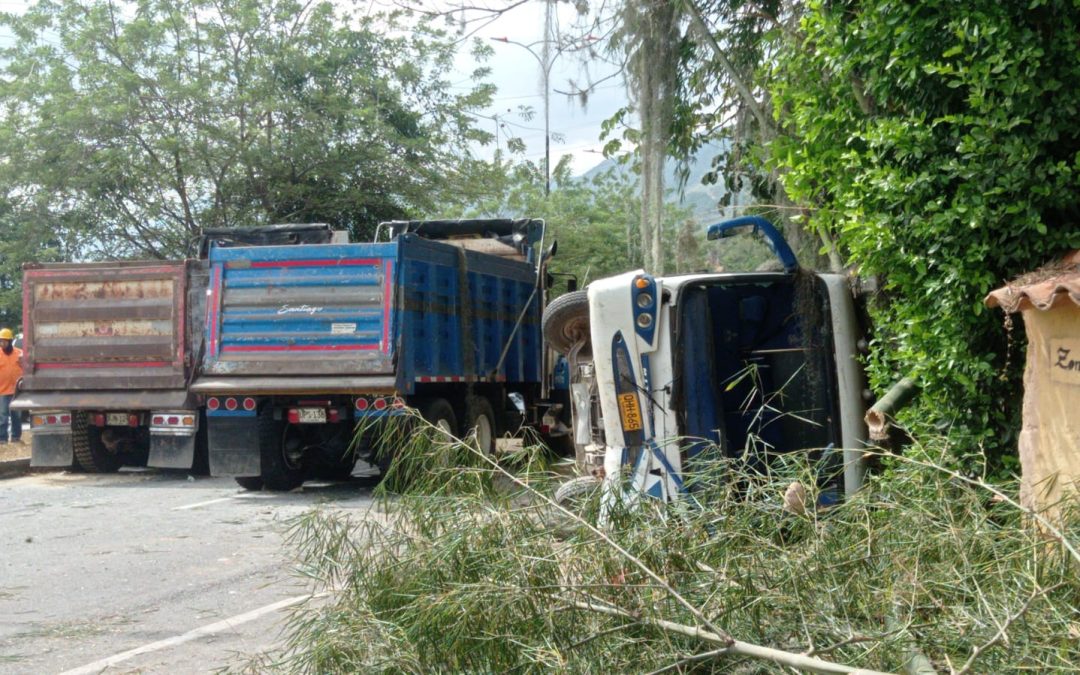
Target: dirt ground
[10,451]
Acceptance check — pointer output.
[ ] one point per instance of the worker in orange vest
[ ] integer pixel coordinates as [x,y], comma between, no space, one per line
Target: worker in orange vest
[10,372]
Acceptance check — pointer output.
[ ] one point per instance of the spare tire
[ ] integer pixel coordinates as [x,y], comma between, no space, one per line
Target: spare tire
[566,322]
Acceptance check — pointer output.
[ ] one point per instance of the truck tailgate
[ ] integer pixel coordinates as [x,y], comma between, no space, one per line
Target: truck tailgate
[300,310]
[104,326]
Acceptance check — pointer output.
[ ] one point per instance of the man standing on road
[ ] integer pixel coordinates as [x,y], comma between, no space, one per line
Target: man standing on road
[10,372]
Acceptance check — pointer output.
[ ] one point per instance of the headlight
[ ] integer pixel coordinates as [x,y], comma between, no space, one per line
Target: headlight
[644,320]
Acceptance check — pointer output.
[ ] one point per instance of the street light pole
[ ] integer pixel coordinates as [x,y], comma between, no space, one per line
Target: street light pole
[545,70]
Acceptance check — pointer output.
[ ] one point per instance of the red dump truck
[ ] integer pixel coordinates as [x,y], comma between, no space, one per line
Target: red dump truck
[107,358]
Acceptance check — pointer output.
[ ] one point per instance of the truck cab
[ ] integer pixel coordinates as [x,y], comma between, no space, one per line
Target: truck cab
[740,366]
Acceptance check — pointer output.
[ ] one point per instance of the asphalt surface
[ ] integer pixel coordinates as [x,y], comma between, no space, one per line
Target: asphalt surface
[148,572]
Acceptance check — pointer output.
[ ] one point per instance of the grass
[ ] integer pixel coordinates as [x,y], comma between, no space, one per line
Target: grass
[471,572]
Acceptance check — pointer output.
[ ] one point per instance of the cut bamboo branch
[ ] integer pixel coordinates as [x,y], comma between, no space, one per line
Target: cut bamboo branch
[915,662]
[1003,630]
[735,647]
[1050,527]
[675,595]
[879,416]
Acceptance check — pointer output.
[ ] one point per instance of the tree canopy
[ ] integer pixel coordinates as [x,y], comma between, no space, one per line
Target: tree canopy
[144,121]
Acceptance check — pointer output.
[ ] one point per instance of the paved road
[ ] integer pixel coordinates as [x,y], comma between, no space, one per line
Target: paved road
[193,573]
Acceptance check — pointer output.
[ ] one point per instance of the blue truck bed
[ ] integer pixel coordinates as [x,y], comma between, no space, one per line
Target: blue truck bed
[345,317]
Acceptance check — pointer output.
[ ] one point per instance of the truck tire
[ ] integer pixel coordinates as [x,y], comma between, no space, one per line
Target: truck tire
[336,465]
[574,491]
[440,413]
[566,321]
[281,470]
[250,483]
[577,496]
[200,464]
[91,455]
[436,412]
[383,460]
[480,416]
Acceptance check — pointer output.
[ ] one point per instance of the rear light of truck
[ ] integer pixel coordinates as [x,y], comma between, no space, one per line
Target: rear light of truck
[230,403]
[166,421]
[98,419]
[213,403]
[249,404]
[51,419]
[379,403]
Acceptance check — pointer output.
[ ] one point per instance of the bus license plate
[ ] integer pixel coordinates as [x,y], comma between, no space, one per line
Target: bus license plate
[116,419]
[312,415]
[630,412]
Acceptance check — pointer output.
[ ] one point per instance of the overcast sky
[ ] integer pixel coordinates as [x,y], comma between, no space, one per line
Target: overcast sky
[519,79]
[518,76]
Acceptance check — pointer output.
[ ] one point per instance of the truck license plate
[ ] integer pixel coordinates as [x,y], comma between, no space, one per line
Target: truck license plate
[630,412]
[116,419]
[312,415]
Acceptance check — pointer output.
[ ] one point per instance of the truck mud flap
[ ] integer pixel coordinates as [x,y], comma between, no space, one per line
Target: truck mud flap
[51,450]
[234,446]
[171,451]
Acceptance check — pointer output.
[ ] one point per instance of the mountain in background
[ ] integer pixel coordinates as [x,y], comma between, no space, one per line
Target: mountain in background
[701,199]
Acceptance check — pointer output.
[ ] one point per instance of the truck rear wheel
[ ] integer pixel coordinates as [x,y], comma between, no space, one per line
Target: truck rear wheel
[91,455]
[200,463]
[480,416]
[436,412]
[252,483]
[282,465]
[440,413]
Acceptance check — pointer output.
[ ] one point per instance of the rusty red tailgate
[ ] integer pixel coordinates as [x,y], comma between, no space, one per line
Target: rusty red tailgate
[104,326]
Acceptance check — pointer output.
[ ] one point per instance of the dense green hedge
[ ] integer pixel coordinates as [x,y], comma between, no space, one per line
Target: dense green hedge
[940,142]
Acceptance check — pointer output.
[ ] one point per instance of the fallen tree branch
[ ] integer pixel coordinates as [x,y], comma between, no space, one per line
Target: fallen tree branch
[1012,618]
[736,647]
[978,482]
[697,613]
[704,656]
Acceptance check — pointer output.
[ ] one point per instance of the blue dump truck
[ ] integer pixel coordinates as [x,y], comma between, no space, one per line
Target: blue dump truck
[303,342]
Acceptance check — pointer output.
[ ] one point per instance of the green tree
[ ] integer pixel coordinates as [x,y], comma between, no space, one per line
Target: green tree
[651,39]
[146,121]
[938,141]
[596,221]
[26,237]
